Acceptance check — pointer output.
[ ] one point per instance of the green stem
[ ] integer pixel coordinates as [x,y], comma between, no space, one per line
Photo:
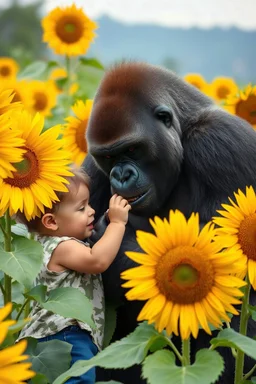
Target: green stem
[248,374]
[67,86]
[175,350]
[27,308]
[8,248]
[186,352]
[24,305]
[2,288]
[243,331]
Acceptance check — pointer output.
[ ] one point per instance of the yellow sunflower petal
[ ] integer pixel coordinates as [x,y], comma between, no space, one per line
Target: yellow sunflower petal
[13,354]
[161,231]
[150,243]
[4,326]
[164,316]
[138,272]
[230,281]
[152,307]
[172,326]
[143,291]
[142,258]
[5,311]
[252,273]
[16,373]
[184,322]
[201,317]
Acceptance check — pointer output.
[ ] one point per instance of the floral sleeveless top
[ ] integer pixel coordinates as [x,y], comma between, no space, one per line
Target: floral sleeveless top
[45,323]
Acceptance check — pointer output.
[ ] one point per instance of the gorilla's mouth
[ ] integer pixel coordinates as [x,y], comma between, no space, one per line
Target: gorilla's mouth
[134,199]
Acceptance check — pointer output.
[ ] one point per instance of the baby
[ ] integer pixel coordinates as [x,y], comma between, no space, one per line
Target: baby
[69,262]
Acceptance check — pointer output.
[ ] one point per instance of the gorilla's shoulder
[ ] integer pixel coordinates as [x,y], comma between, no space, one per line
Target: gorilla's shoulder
[220,148]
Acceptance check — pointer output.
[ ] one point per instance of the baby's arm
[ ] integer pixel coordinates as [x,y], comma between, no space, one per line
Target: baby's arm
[73,255]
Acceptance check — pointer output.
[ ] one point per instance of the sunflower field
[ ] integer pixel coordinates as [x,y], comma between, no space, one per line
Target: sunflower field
[44,111]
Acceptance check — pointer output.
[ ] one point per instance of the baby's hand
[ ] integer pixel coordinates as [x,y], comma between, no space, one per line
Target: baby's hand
[118,209]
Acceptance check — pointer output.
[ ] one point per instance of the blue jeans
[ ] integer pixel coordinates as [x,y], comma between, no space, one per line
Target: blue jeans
[83,348]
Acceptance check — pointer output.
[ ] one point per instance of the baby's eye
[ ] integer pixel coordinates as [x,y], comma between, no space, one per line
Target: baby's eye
[82,208]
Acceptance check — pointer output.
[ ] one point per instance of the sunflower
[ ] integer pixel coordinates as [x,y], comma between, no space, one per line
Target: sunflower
[12,371]
[6,101]
[74,131]
[184,277]
[221,87]
[19,89]
[10,147]
[196,80]
[243,104]
[41,171]
[68,31]
[42,97]
[238,226]
[8,68]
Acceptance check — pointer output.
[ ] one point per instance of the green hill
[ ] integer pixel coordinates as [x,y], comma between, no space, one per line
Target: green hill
[211,52]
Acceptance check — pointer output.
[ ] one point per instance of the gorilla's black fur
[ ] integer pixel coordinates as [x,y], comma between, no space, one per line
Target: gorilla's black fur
[153,136]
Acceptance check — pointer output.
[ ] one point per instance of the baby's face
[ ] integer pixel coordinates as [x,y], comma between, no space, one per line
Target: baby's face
[75,217]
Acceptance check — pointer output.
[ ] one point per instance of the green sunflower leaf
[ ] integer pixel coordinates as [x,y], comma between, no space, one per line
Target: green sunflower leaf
[252,311]
[230,338]
[91,62]
[39,379]
[24,262]
[110,323]
[33,71]
[160,367]
[65,301]
[124,353]
[109,382]
[20,230]
[43,357]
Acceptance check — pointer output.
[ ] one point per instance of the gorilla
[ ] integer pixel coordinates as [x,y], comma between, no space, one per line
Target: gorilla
[162,144]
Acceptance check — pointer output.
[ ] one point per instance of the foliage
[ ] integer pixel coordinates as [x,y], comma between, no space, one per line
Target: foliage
[17,41]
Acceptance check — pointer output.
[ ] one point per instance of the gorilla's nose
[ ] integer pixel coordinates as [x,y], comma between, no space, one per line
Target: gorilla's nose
[123,176]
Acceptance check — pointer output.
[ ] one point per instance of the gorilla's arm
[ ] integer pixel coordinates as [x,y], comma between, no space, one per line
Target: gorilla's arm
[219,158]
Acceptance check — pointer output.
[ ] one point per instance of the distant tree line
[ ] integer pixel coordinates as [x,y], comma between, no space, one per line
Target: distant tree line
[21,32]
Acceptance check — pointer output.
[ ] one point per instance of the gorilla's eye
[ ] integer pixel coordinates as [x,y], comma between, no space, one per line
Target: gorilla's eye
[108,157]
[165,115]
[131,149]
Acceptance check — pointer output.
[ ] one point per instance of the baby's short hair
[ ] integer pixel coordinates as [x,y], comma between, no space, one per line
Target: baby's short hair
[79,177]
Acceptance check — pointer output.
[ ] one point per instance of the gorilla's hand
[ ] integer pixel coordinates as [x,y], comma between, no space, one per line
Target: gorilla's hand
[99,228]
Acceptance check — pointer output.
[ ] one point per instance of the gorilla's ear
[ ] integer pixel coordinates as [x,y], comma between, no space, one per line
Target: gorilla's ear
[100,187]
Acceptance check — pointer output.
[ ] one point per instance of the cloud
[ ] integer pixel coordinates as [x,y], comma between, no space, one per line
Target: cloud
[176,13]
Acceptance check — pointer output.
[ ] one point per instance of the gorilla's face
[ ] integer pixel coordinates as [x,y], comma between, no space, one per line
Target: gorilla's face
[130,136]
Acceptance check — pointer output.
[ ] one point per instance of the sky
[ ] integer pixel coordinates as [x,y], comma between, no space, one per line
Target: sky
[175,13]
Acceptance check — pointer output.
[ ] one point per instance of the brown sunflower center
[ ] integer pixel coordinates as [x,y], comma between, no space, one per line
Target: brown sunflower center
[80,136]
[40,101]
[222,92]
[27,171]
[247,236]
[16,97]
[184,275]
[246,109]
[69,29]
[5,70]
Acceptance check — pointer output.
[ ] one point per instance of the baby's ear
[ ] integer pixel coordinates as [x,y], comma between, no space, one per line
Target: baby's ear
[48,220]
